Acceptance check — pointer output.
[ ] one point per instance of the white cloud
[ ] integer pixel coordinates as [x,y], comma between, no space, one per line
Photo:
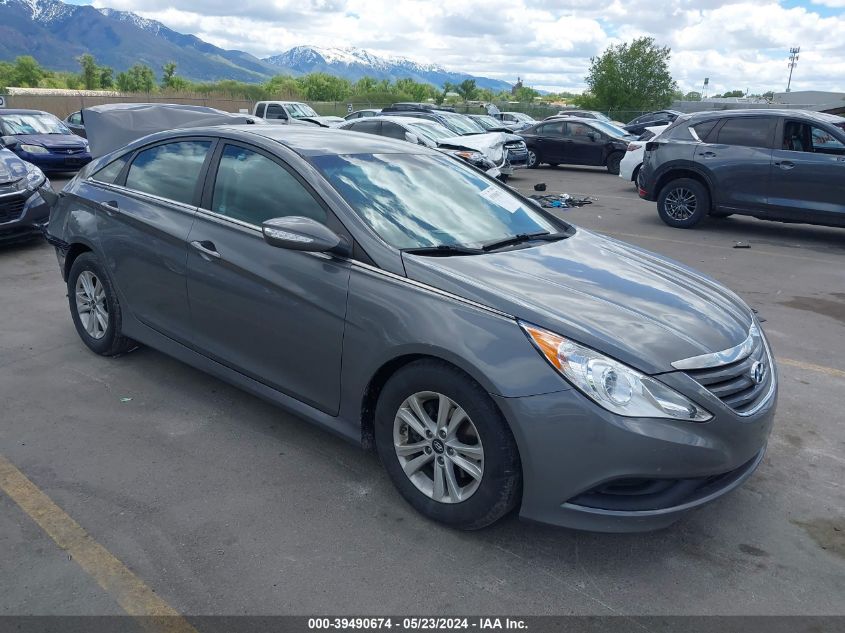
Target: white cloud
[739,44]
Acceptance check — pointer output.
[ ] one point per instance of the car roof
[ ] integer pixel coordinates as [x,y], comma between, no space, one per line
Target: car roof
[784,112]
[20,111]
[308,140]
[397,120]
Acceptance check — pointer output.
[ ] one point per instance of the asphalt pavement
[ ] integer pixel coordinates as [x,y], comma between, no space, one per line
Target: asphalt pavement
[222,504]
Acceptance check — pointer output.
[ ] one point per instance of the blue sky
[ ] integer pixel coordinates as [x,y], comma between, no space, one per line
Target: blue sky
[739,44]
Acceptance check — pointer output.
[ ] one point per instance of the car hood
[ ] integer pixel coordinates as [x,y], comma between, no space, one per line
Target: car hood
[638,307]
[52,141]
[12,168]
[481,142]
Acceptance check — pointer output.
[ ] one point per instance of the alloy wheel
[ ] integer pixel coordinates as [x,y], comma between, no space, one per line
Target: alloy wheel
[91,304]
[532,158]
[680,204]
[438,447]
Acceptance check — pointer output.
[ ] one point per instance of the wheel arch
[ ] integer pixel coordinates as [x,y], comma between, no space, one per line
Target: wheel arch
[75,249]
[682,171]
[379,378]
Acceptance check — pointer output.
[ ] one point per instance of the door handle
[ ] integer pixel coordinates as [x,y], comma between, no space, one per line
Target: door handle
[111,207]
[785,164]
[207,250]
[707,154]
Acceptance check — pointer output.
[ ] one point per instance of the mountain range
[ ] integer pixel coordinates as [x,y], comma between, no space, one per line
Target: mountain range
[56,33]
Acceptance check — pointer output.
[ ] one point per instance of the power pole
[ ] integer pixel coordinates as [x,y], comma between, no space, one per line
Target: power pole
[793,62]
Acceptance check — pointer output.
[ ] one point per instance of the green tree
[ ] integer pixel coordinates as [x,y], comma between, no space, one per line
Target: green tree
[139,78]
[106,77]
[417,91]
[168,73]
[90,71]
[26,72]
[324,87]
[733,93]
[526,94]
[692,96]
[467,89]
[630,76]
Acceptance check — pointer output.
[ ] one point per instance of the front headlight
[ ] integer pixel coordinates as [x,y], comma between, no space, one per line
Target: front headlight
[611,384]
[34,149]
[474,157]
[34,177]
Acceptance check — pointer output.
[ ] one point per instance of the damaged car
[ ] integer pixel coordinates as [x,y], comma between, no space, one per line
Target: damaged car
[293,113]
[25,199]
[429,134]
[496,357]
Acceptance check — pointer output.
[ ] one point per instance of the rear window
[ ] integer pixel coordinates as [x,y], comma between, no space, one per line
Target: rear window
[703,130]
[169,171]
[110,172]
[747,132]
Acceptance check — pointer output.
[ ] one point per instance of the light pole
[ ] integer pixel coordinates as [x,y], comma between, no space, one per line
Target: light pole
[793,62]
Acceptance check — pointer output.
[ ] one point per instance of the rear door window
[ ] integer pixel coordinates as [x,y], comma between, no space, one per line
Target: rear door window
[169,170]
[392,130]
[705,129]
[259,110]
[747,131]
[368,127]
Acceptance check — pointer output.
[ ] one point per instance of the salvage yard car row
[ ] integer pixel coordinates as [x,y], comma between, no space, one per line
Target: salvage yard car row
[382,286]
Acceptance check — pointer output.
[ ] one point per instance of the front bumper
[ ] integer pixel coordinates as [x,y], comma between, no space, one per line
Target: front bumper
[57,162]
[589,469]
[25,215]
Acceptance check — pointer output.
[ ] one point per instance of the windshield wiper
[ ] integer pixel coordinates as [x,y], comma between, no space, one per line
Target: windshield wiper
[523,237]
[443,250]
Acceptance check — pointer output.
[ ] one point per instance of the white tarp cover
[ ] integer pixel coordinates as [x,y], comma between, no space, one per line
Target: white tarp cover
[110,127]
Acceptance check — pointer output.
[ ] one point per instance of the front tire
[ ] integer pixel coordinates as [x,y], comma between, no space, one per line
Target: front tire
[446,446]
[683,203]
[613,163]
[94,307]
[533,159]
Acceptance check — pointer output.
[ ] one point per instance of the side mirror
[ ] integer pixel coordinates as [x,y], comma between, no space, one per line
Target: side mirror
[297,233]
[594,136]
[413,138]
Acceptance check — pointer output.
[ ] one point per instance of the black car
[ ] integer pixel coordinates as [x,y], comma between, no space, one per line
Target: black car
[651,119]
[75,123]
[784,165]
[25,199]
[573,141]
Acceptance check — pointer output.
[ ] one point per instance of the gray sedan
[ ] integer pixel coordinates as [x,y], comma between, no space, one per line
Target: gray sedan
[495,356]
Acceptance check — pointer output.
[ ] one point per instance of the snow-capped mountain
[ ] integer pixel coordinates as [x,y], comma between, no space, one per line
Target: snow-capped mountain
[56,33]
[355,63]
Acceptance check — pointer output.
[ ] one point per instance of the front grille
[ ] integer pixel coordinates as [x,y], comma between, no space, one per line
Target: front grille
[11,208]
[734,383]
[68,151]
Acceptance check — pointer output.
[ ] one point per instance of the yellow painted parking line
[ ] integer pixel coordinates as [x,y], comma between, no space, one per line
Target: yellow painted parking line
[829,371]
[130,592]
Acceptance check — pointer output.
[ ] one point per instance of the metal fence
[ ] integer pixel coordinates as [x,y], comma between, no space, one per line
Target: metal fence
[63,104]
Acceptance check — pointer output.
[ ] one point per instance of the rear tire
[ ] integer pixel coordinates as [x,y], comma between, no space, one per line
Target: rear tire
[94,307]
[533,159]
[683,203]
[634,177]
[613,163]
[475,435]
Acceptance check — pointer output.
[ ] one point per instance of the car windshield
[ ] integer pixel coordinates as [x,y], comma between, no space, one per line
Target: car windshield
[32,124]
[432,131]
[487,122]
[609,128]
[424,200]
[463,124]
[300,110]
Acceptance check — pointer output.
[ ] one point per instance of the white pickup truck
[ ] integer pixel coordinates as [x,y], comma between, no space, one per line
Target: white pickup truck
[292,113]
